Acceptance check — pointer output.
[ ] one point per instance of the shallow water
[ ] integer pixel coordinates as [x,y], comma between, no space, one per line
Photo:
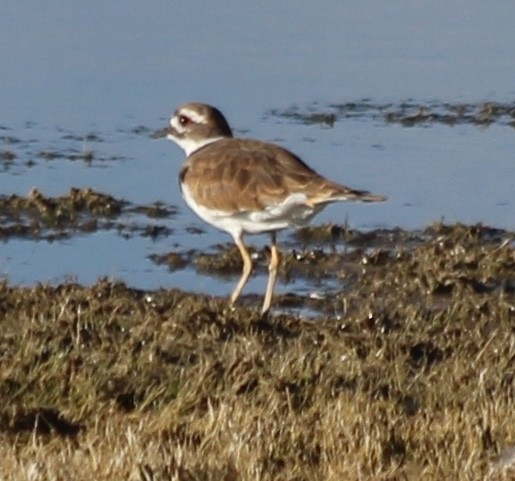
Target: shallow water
[100,78]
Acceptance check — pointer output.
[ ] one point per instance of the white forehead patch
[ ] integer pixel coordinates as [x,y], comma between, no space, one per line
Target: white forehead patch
[174,122]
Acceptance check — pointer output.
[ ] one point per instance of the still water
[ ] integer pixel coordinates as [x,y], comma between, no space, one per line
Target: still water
[99,76]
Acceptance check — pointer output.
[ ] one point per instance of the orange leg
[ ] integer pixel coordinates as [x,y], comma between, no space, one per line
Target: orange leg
[272,274]
[247,269]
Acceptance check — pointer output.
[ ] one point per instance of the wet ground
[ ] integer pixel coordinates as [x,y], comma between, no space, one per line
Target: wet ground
[121,230]
[320,256]
[406,371]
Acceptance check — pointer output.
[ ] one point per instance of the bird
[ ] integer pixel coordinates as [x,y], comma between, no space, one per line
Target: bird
[245,186]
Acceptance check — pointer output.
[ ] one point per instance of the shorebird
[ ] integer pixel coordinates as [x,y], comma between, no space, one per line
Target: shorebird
[245,186]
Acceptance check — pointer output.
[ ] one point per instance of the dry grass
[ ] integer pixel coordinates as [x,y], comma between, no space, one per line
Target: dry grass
[410,378]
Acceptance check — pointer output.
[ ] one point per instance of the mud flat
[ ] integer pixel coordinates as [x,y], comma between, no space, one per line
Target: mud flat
[407,113]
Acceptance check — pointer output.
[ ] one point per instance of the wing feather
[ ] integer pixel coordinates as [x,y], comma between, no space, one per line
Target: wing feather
[238,175]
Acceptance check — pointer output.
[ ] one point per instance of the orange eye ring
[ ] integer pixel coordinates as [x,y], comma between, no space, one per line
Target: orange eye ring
[183,120]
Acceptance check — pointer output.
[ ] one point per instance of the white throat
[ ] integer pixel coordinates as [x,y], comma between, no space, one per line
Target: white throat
[191,145]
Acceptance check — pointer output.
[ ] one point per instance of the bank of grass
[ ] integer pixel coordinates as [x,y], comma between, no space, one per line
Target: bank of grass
[409,375]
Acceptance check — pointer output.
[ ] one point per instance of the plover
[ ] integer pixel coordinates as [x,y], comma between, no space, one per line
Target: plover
[245,186]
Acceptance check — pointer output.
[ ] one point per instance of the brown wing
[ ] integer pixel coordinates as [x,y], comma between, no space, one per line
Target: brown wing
[235,175]
[298,177]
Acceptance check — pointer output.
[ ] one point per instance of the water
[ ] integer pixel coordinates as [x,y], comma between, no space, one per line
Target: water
[106,68]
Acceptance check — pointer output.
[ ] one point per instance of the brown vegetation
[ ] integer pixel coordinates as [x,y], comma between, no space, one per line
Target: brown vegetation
[407,374]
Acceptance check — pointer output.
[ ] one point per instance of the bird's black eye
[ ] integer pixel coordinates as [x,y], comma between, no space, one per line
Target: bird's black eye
[183,120]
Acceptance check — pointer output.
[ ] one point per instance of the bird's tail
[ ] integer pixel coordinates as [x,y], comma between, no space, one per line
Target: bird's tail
[336,193]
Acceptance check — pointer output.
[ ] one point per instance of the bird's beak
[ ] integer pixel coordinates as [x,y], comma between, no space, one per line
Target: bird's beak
[159,134]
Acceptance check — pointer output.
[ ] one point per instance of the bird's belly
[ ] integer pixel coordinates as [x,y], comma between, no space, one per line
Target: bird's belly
[293,212]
